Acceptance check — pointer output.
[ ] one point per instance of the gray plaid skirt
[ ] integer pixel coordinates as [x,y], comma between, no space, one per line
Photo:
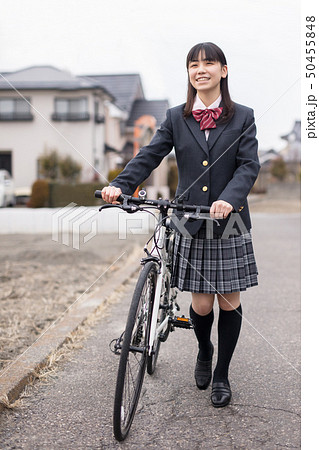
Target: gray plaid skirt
[211,266]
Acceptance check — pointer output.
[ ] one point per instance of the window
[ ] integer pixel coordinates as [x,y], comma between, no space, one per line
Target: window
[71,109]
[98,118]
[6,161]
[15,109]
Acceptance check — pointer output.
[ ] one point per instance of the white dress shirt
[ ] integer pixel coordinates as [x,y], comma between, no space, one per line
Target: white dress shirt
[198,104]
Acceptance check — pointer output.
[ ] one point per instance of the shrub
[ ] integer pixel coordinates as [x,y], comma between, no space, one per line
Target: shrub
[81,194]
[113,174]
[39,194]
[172,179]
[298,175]
[279,169]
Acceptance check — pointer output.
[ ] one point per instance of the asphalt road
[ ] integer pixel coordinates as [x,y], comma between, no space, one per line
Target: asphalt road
[75,410]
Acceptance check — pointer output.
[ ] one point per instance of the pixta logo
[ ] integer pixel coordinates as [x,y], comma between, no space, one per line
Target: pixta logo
[133,225]
[70,222]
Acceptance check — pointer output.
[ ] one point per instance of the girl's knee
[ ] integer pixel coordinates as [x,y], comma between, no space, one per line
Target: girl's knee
[228,302]
[202,304]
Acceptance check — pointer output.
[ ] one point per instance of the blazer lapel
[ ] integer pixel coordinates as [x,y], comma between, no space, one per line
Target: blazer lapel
[215,133]
[198,134]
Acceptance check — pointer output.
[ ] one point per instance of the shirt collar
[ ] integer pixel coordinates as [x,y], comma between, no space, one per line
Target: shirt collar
[198,104]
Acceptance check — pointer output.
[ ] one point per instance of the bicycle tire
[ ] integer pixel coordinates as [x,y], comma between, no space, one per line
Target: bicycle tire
[136,335]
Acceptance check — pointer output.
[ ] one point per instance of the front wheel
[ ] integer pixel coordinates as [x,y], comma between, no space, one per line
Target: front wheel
[134,352]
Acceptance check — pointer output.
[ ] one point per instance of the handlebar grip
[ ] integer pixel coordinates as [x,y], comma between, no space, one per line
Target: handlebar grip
[98,194]
[205,209]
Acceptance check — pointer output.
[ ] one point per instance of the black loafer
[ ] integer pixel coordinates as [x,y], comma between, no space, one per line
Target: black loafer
[203,373]
[221,394]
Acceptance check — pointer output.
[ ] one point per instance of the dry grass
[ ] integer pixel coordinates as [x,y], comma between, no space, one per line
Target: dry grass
[33,300]
[74,341]
[41,278]
[5,402]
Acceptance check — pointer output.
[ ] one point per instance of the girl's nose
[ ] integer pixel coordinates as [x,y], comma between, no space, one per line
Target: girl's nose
[201,68]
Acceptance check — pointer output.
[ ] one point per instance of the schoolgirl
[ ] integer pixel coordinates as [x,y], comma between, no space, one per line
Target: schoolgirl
[216,152]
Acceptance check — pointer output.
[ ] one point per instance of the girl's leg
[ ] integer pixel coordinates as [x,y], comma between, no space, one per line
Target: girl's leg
[202,315]
[229,324]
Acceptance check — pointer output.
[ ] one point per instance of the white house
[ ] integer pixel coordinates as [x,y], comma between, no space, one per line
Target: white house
[47,108]
[91,118]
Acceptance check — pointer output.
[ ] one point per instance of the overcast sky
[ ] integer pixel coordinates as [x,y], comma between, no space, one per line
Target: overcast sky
[261,40]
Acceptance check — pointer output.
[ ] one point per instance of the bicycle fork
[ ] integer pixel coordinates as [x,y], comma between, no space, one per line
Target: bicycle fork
[156,330]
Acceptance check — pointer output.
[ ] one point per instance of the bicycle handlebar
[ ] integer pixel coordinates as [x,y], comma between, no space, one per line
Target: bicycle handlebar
[157,203]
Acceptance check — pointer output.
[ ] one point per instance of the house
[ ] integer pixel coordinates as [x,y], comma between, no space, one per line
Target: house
[292,151]
[42,107]
[129,98]
[266,156]
[91,118]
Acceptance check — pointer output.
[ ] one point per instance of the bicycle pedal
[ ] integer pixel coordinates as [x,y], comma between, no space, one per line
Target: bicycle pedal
[182,322]
[115,346]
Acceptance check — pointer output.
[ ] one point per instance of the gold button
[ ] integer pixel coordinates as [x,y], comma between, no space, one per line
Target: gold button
[240,208]
[204,188]
[205,163]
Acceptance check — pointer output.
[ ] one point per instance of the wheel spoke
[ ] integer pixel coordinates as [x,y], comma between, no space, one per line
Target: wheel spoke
[133,363]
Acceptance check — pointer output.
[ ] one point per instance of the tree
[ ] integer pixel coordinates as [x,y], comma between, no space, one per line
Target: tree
[49,164]
[54,168]
[70,169]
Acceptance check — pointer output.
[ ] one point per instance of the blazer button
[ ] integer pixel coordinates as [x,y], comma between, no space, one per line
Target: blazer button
[205,163]
[204,188]
[240,208]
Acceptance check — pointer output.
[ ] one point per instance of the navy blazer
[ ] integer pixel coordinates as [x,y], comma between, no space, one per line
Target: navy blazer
[223,168]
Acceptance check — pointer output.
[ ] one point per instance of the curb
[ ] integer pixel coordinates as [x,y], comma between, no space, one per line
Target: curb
[20,373]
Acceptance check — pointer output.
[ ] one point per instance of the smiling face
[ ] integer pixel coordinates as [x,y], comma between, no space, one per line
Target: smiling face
[205,75]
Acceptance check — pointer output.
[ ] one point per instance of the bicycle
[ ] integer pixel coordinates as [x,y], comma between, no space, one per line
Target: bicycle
[153,311]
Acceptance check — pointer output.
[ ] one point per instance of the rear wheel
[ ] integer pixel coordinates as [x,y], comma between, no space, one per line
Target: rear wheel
[134,352]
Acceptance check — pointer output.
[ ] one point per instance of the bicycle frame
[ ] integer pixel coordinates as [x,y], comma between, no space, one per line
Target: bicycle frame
[152,314]
[160,288]
[131,205]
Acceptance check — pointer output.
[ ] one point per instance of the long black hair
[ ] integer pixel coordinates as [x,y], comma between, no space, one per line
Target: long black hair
[210,52]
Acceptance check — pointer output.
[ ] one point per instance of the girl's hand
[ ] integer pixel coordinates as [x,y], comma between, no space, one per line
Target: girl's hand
[110,194]
[220,209]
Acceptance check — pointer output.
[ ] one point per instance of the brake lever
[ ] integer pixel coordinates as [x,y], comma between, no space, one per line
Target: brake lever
[125,207]
[198,216]
[109,205]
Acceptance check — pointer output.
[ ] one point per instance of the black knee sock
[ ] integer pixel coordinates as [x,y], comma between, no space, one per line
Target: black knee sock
[202,328]
[229,324]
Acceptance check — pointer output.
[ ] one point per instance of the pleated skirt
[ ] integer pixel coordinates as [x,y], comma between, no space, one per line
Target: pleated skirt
[213,265]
